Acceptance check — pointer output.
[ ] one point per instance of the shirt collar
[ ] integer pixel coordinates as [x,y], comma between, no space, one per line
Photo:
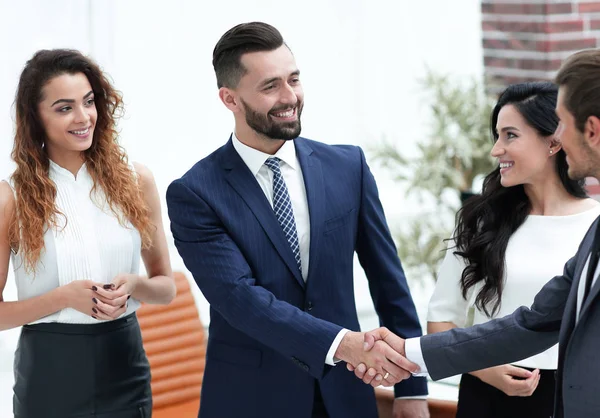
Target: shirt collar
[55,171]
[255,159]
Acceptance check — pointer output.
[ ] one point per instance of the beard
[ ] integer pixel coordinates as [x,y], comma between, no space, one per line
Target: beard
[580,170]
[263,124]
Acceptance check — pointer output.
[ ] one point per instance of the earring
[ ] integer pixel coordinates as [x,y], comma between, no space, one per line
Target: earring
[551,151]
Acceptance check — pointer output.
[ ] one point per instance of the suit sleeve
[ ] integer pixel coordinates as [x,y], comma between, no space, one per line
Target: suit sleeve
[379,258]
[522,334]
[225,279]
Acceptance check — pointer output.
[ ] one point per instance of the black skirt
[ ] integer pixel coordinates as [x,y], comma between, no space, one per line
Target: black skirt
[75,370]
[477,399]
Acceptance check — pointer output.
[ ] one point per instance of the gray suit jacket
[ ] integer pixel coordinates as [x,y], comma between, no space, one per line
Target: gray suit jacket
[528,331]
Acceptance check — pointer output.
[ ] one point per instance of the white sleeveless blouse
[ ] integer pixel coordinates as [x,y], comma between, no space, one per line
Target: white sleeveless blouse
[89,244]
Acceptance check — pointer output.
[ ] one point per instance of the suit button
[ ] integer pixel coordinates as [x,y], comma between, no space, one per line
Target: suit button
[309,306]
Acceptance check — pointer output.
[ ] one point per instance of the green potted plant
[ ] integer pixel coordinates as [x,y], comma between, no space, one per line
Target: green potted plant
[454,153]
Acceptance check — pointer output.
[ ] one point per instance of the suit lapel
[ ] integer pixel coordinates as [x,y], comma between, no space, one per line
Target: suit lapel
[570,314]
[581,274]
[593,294]
[315,194]
[243,182]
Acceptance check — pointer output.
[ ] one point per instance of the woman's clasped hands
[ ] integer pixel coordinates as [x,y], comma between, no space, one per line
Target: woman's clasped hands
[102,301]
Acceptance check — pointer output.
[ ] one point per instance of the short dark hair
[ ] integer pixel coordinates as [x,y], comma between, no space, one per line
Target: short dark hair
[580,76]
[240,40]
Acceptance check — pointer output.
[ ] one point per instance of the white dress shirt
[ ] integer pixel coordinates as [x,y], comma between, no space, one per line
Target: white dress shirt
[294,181]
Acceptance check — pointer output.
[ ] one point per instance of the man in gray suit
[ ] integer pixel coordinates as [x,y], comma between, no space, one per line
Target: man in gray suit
[566,310]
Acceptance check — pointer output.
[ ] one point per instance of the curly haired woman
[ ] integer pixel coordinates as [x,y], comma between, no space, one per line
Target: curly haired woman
[75,217]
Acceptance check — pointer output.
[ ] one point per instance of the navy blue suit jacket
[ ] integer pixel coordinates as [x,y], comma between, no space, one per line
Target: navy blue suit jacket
[269,330]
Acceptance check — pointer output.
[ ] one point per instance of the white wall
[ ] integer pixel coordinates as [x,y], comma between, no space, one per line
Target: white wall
[360,61]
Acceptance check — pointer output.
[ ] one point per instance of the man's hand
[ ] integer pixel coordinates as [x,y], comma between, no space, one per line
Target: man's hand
[381,359]
[386,335]
[370,375]
[514,381]
[410,408]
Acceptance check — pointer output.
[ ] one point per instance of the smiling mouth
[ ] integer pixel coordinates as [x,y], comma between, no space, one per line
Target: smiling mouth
[285,114]
[81,131]
[506,165]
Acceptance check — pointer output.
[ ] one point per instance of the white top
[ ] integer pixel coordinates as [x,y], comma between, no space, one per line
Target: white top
[90,245]
[536,252]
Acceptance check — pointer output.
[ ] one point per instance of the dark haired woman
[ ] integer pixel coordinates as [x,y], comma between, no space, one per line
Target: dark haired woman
[528,221]
[75,218]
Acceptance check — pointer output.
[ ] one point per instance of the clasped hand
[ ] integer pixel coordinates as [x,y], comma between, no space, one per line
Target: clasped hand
[101,301]
[376,357]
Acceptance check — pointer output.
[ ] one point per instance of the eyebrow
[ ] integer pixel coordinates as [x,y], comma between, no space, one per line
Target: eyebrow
[508,128]
[71,100]
[272,79]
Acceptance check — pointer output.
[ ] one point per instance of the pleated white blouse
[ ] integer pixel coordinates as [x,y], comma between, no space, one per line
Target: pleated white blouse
[90,244]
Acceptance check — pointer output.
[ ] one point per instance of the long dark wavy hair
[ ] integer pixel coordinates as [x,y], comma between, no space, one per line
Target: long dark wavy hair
[486,222]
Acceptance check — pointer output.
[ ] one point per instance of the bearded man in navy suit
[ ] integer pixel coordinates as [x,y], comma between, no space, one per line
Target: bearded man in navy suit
[268,226]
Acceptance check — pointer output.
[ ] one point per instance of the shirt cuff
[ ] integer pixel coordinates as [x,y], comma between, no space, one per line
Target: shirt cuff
[412,348]
[330,360]
[424,397]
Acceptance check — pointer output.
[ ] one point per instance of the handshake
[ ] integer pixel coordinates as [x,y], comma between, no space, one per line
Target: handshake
[376,357]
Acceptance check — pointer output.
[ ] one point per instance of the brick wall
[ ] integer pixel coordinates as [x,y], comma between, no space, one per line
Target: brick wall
[528,39]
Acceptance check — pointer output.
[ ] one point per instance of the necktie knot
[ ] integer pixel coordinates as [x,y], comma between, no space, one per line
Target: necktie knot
[273,164]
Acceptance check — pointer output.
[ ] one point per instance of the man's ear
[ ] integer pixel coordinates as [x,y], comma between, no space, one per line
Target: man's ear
[591,131]
[229,99]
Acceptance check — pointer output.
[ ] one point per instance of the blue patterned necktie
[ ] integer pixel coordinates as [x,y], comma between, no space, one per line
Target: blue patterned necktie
[282,206]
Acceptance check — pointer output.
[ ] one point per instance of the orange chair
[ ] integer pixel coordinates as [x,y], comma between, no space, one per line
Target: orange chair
[176,348]
[437,407]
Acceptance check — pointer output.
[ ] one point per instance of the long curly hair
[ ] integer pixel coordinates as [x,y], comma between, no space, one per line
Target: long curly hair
[486,222]
[105,160]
